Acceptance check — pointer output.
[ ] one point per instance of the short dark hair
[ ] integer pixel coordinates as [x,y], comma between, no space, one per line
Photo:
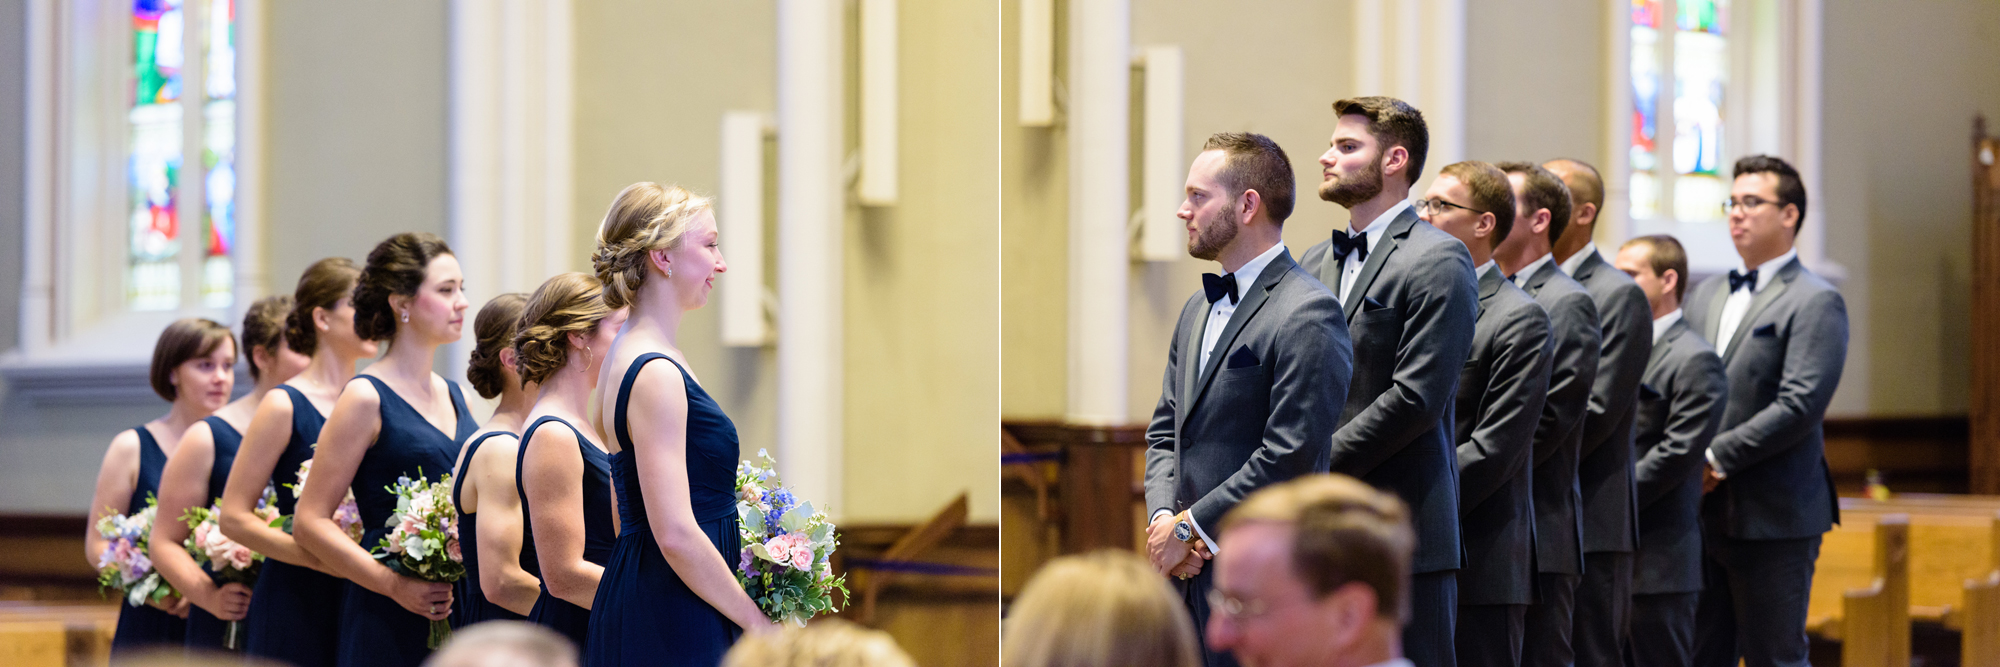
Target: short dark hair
[1255,162]
[1541,189]
[395,266]
[1589,186]
[1490,191]
[1393,122]
[185,339]
[493,330]
[1664,253]
[1791,190]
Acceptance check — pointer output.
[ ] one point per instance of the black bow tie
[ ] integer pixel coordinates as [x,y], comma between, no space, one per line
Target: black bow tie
[1219,286]
[1739,281]
[1344,244]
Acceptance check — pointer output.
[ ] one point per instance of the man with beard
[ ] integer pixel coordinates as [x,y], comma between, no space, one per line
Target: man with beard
[1604,468]
[1257,370]
[1410,299]
[1541,210]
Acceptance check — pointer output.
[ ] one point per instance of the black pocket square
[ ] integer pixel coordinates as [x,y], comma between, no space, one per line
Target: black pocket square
[1368,304]
[1765,331]
[1648,393]
[1241,358]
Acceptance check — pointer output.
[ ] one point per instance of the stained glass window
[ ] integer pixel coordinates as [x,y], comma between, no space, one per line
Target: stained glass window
[1679,172]
[163,41]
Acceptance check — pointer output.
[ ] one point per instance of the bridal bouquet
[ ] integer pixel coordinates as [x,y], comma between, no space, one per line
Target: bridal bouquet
[124,565]
[347,515]
[785,566]
[423,538]
[229,561]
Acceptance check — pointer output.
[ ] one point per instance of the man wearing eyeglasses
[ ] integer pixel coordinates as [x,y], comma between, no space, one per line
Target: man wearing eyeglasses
[1500,394]
[1604,468]
[1782,333]
[1410,299]
[1314,572]
[1541,211]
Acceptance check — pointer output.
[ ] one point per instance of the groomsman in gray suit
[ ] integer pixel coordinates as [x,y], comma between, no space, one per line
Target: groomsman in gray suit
[1541,211]
[1680,409]
[1257,370]
[1604,472]
[1410,299]
[1782,333]
[1501,390]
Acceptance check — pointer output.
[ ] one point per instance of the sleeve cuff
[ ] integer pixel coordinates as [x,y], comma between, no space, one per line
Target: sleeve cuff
[1159,513]
[1714,464]
[1212,547]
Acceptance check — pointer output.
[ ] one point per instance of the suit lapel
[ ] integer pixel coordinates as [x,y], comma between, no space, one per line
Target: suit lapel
[1759,303]
[1589,265]
[1666,341]
[1489,285]
[1399,229]
[1542,276]
[1245,310]
[1712,327]
[1191,364]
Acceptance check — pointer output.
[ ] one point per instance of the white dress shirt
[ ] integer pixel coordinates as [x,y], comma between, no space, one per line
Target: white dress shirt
[1734,308]
[1570,265]
[1738,303]
[1664,322]
[1218,319]
[1521,277]
[1350,267]
[1220,311]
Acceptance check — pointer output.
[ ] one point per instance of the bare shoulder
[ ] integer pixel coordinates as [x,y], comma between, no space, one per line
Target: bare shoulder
[277,403]
[360,391]
[124,445]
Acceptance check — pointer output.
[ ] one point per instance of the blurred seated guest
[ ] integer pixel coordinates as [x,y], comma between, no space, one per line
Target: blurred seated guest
[1096,610]
[505,644]
[827,643]
[1314,571]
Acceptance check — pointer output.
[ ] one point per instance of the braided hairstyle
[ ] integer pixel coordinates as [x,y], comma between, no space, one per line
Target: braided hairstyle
[644,217]
[264,328]
[323,284]
[568,303]
[494,328]
[395,266]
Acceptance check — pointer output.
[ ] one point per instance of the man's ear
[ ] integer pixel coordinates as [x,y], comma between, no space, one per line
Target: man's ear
[1248,205]
[1396,161]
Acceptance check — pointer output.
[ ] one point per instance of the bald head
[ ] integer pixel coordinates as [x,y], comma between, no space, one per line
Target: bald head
[1585,186]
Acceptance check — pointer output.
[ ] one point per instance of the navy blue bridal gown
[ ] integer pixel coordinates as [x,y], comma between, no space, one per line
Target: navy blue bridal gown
[644,613]
[374,630]
[472,606]
[295,610]
[556,613]
[145,626]
[204,630]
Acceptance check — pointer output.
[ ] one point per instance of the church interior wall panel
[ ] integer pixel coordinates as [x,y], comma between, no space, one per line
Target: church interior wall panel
[1545,97]
[13,160]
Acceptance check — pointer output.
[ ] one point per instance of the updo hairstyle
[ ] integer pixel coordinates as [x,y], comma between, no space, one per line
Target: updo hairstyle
[321,286]
[264,328]
[643,218]
[494,328]
[568,303]
[395,266]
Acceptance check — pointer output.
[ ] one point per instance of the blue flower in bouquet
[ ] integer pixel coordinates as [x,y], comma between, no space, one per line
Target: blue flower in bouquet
[785,563]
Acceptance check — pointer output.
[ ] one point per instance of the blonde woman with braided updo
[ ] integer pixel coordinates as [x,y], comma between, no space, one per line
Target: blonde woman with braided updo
[564,475]
[674,452]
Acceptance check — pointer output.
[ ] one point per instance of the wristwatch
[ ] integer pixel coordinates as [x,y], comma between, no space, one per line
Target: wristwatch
[1183,529]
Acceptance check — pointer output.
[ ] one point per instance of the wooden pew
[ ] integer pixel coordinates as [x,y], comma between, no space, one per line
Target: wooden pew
[1875,623]
[56,634]
[1953,568]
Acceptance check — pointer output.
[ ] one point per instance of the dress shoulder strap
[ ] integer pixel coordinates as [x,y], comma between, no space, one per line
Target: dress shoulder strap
[625,395]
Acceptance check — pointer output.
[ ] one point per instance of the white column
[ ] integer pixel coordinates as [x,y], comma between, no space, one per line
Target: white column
[1038,57]
[1099,85]
[1443,97]
[811,212]
[249,264]
[1808,43]
[39,191]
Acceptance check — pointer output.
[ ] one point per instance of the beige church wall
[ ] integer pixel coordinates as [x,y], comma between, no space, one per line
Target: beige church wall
[13,161]
[920,304]
[1534,81]
[1279,81]
[356,147]
[1897,193]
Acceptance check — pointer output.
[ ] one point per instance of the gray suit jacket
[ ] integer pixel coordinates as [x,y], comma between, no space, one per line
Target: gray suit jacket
[1264,407]
[1500,395]
[1411,313]
[1680,409]
[1559,435]
[1605,471]
[1784,363]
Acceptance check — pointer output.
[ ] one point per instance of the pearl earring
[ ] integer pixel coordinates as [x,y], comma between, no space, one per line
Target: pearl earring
[406,316]
[670,273]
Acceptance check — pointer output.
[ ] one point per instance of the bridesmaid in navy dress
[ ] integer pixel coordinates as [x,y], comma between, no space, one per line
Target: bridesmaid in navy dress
[565,476]
[489,510]
[199,469]
[294,612]
[397,420]
[193,367]
[674,463]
